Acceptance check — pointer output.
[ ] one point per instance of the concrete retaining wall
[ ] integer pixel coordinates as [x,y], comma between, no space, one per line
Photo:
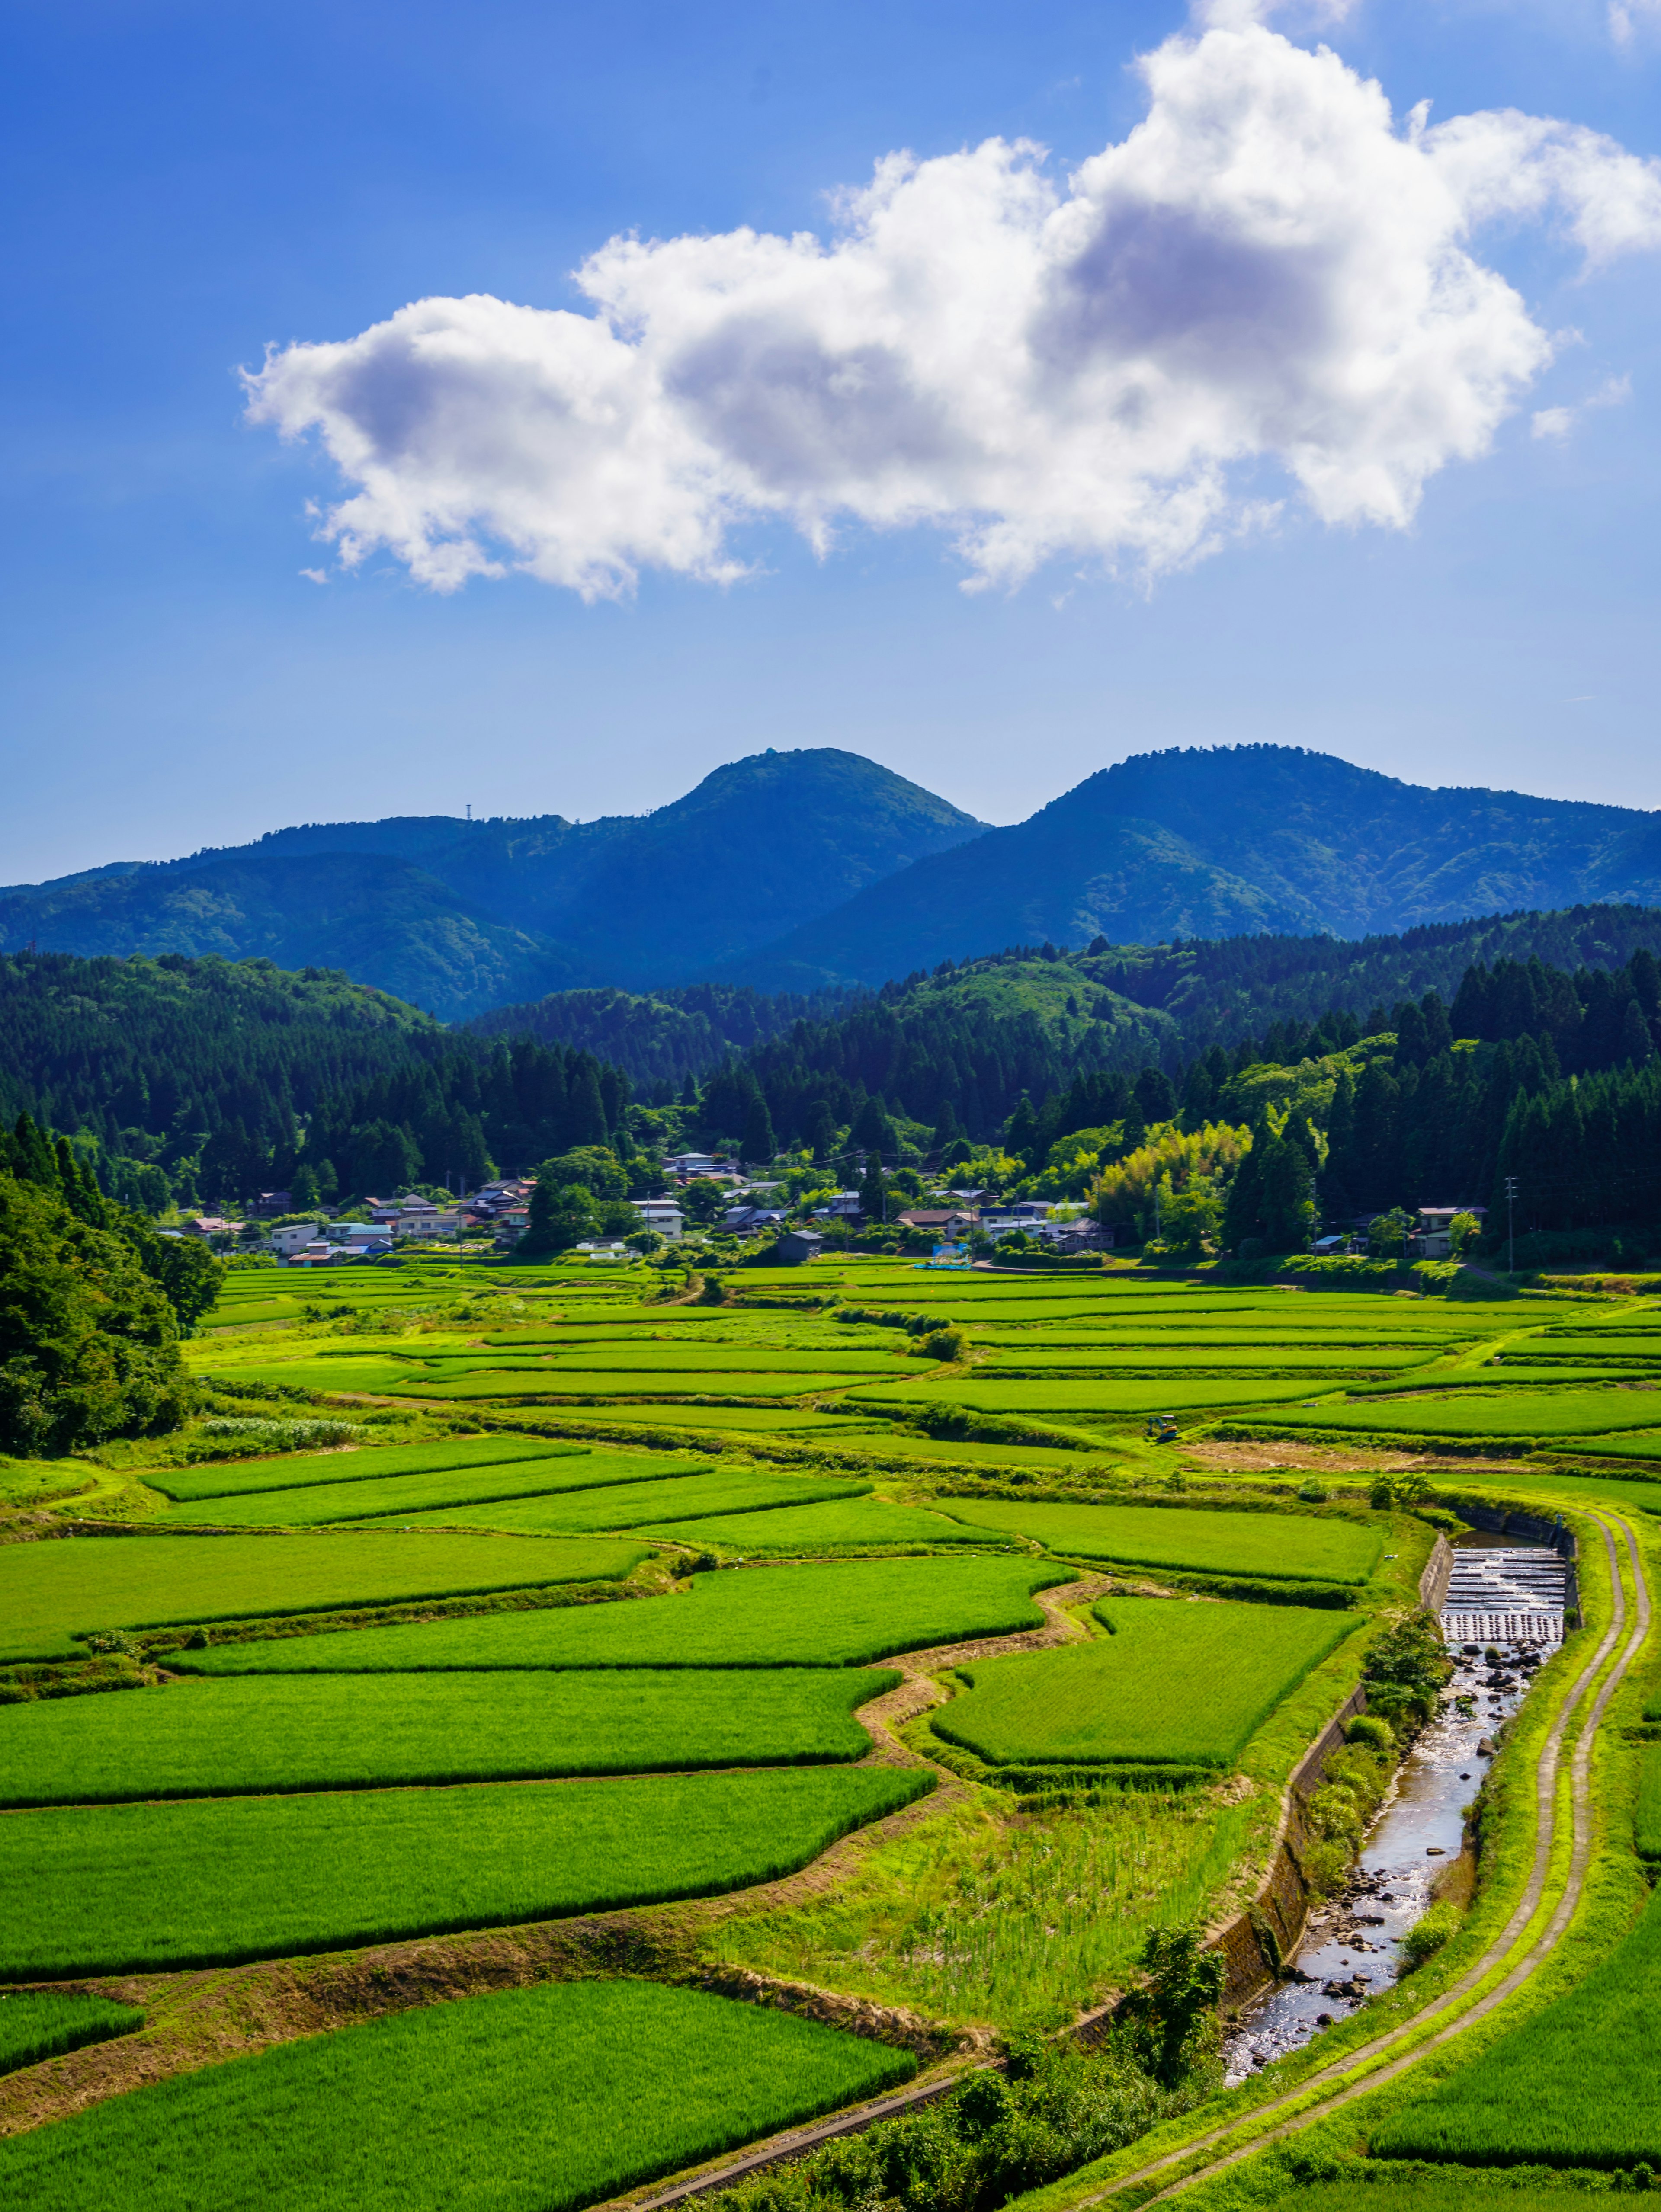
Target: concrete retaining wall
[1281,1904]
[1438,1570]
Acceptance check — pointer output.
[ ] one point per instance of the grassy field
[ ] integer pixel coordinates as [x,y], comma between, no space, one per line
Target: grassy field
[1175,1681]
[36,2024]
[236,1478]
[682,1357]
[254,1733]
[51,1592]
[213,1881]
[700,1497]
[1504,1415]
[1297,1547]
[647,1382]
[612,2083]
[834,1614]
[758,1420]
[402,1496]
[1577,2085]
[857,1523]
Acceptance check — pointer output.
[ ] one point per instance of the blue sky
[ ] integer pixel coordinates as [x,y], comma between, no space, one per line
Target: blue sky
[190,185]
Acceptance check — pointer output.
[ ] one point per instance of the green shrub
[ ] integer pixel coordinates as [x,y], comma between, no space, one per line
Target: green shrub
[1372,1731]
[1427,1934]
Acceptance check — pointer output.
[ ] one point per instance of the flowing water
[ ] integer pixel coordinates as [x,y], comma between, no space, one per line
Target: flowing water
[1351,1947]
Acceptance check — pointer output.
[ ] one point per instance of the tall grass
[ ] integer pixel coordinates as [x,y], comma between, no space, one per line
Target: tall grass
[531,2101]
[1029,1920]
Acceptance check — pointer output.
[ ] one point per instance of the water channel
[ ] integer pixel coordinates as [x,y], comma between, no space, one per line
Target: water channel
[1351,1946]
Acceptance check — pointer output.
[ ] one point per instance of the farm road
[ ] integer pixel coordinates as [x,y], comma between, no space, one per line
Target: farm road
[1332,2086]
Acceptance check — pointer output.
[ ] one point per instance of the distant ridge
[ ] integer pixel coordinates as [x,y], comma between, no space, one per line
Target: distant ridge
[457,916]
[1224,842]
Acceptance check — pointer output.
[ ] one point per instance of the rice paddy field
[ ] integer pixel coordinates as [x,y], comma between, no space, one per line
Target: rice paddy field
[320,1504]
[37,2024]
[1577,2085]
[612,2084]
[1186,1684]
[401,1715]
[53,1593]
[837,1614]
[216,1880]
[252,1735]
[1304,1549]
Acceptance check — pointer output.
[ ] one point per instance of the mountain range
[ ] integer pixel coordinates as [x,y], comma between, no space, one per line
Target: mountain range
[813,871]
[457,916]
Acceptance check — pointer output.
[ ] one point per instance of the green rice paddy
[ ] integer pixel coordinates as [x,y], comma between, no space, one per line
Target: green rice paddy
[612,2084]
[37,2024]
[1297,1547]
[634,1504]
[51,1593]
[833,1613]
[1181,1682]
[210,1881]
[1504,1415]
[1106,1396]
[856,1523]
[294,1470]
[257,1733]
[1576,2085]
[402,1496]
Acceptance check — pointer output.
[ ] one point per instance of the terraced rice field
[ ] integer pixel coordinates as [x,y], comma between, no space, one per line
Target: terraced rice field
[1502,1414]
[1172,1681]
[635,1504]
[51,1593]
[213,1881]
[613,2083]
[295,1470]
[1577,2085]
[834,1614]
[254,1733]
[36,2024]
[856,1524]
[401,1496]
[583,1383]
[1107,1396]
[1293,1547]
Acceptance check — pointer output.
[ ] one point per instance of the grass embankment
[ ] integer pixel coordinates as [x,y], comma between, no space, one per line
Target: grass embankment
[1186,1683]
[612,2083]
[212,1882]
[285,1732]
[834,1614]
[52,1592]
[1288,1547]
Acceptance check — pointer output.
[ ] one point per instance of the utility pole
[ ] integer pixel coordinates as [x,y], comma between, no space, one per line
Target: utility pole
[1511,1225]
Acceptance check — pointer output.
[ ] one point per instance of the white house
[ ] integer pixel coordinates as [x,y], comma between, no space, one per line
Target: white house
[663,1215]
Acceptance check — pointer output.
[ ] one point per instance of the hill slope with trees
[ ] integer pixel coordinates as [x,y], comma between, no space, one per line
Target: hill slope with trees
[1220,843]
[460,915]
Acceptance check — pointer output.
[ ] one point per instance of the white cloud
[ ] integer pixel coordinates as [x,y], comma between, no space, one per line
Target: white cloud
[1552,423]
[1265,273]
[1558,421]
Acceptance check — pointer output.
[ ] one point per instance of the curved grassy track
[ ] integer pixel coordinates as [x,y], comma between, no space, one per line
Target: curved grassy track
[1334,2086]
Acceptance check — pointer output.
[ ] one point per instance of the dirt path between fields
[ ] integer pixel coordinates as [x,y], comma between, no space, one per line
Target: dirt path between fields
[1546,1771]
[199,2017]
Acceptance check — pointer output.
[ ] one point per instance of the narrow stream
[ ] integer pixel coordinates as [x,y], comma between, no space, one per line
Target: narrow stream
[1351,1946]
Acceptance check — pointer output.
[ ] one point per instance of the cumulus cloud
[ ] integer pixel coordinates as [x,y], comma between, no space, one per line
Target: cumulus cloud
[1266,289]
[1558,421]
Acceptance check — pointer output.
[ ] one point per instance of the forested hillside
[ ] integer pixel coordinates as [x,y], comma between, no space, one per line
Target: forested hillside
[666,1036]
[1223,843]
[458,916]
